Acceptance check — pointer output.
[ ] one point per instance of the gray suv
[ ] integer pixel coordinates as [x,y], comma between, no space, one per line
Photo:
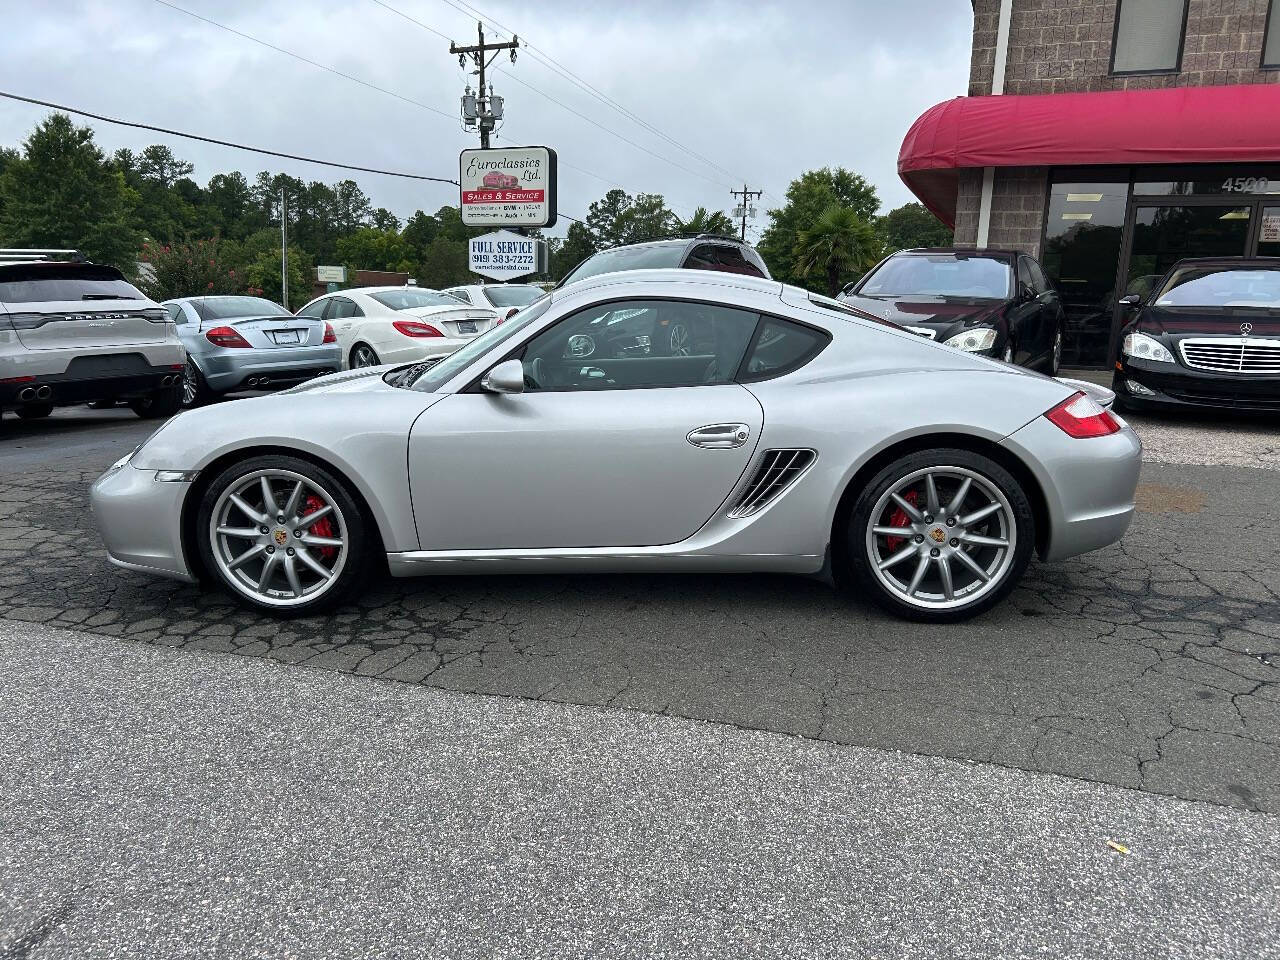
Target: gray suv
[707,251]
[73,332]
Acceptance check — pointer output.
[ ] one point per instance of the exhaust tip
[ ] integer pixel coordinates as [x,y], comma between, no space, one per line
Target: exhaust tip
[44,392]
[28,394]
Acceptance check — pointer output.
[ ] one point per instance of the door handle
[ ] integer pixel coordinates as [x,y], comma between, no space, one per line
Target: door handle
[719,436]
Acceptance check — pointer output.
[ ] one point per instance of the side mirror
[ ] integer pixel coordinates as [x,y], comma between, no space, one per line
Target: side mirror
[506,377]
[1026,293]
[1131,301]
[848,287]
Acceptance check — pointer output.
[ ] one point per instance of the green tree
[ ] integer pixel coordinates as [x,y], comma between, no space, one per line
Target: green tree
[384,219]
[420,230]
[260,253]
[912,225]
[444,264]
[191,269]
[571,251]
[619,218]
[61,192]
[808,196]
[372,249]
[704,221]
[837,248]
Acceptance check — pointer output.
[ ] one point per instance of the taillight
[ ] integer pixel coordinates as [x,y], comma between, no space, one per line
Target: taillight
[1080,416]
[225,337]
[329,335]
[416,328]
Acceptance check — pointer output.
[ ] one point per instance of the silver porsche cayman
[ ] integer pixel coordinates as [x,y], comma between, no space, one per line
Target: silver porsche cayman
[655,420]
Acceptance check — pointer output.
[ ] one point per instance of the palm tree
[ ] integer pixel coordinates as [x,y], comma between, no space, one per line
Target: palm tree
[704,221]
[839,243]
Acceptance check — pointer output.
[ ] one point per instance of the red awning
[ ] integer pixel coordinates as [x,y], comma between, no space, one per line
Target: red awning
[1230,124]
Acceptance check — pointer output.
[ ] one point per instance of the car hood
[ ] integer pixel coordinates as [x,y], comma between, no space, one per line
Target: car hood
[1190,321]
[944,319]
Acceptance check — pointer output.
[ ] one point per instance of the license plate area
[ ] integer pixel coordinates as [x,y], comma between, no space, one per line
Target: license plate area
[466,326]
[284,338]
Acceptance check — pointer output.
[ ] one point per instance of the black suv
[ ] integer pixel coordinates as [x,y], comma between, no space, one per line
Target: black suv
[707,251]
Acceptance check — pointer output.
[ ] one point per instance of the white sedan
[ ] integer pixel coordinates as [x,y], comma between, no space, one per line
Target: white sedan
[507,299]
[377,325]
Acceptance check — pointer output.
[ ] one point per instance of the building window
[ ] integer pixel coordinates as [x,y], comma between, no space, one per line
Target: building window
[1148,36]
[1271,42]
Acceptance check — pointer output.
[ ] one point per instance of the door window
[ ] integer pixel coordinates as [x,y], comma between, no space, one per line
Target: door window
[782,346]
[1039,282]
[315,309]
[723,259]
[640,343]
[460,294]
[343,308]
[176,313]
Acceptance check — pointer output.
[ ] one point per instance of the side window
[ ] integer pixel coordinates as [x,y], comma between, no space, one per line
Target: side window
[460,294]
[1024,274]
[1039,282]
[176,313]
[342,309]
[722,258]
[640,343]
[315,309]
[781,346]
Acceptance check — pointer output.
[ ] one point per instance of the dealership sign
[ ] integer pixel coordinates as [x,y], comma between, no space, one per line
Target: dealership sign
[508,187]
[505,255]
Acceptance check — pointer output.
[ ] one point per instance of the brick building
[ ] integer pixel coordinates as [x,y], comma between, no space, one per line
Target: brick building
[1109,138]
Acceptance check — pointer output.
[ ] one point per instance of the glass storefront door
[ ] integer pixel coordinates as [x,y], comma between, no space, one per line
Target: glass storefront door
[1166,234]
[1269,232]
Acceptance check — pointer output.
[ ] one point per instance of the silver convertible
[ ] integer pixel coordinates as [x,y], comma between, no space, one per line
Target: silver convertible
[785,432]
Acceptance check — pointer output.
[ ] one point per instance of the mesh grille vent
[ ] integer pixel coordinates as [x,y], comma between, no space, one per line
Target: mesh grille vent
[778,470]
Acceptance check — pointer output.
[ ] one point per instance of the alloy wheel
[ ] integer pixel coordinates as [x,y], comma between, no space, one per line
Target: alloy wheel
[364,356]
[278,537]
[190,383]
[1057,352]
[941,537]
[679,340]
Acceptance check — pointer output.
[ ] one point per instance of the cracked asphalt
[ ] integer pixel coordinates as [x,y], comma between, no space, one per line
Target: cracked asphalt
[1153,664]
[167,803]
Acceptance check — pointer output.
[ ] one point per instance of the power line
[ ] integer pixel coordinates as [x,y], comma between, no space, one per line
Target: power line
[221,143]
[298,56]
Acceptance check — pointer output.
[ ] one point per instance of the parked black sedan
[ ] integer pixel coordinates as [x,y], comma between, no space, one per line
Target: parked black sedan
[1208,335]
[994,302]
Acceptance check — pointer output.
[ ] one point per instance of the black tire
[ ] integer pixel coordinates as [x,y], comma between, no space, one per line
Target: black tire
[370,358]
[1055,354]
[195,389]
[359,540]
[35,411]
[863,580]
[164,402]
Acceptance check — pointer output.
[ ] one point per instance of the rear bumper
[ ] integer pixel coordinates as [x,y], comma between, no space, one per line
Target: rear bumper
[1174,386]
[94,377]
[232,369]
[140,519]
[1088,484]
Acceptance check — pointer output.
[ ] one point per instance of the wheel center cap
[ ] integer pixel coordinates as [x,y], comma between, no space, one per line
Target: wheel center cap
[938,535]
[281,537]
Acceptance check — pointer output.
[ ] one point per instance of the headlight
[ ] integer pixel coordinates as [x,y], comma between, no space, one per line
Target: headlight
[1142,347]
[974,341]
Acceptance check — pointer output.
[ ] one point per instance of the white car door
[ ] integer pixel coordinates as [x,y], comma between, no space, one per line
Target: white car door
[613,443]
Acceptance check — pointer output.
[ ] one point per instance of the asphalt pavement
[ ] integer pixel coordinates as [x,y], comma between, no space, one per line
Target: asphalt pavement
[1153,664]
[176,803]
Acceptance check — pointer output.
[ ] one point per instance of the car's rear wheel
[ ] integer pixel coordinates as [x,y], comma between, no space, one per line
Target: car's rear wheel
[35,411]
[195,389]
[164,402]
[363,355]
[283,535]
[940,535]
[1055,354]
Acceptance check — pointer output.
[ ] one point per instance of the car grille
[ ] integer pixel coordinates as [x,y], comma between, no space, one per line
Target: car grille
[1232,354]
[778,470]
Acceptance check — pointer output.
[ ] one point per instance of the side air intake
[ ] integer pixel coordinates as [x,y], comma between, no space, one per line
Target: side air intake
[777,471]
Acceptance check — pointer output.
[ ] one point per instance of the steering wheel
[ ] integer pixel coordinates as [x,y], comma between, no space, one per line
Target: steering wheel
[535,376]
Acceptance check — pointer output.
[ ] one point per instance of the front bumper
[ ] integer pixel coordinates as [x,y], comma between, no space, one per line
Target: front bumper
[140,519]
[230,369]
[1088,484]
[1174,386]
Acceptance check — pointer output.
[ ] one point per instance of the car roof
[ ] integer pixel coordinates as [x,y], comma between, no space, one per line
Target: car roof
[970,251]
[674,275]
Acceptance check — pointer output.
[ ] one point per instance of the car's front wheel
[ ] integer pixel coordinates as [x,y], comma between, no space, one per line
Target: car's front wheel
[283,535]
[940,535]
[164,402]
[363,355]
[1055,353]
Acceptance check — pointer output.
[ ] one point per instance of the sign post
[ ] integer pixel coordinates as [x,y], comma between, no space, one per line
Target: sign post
[505,255]
[512,187]
[331,277]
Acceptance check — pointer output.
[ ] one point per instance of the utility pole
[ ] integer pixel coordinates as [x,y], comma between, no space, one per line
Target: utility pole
[479,109]
[745,208]
[284,255]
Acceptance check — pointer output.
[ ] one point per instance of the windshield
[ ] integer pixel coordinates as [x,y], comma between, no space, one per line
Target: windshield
[1221,287]
[628,258]
[411,299]
[228,308]
[513,296]
[437,375]
[940,275]
[37,282]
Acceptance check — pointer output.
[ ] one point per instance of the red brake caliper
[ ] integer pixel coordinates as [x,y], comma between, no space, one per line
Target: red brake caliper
[322,527]
[898,518]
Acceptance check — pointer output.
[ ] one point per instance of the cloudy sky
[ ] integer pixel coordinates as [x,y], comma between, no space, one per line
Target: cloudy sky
[760,91]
